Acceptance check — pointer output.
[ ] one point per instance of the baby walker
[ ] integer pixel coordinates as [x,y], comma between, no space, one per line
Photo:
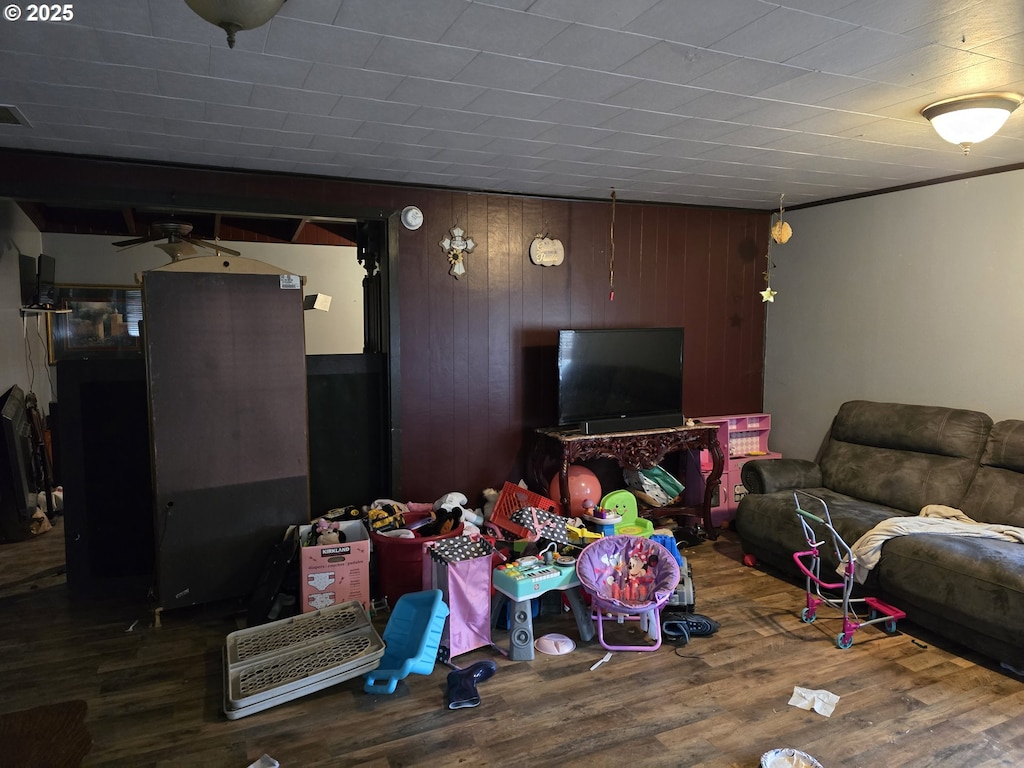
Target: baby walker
[881,613]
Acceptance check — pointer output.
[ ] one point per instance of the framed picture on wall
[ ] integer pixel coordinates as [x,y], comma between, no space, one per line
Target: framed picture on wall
[97,321]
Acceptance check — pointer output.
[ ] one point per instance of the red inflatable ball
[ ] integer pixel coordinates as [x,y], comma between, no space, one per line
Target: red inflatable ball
[583,485]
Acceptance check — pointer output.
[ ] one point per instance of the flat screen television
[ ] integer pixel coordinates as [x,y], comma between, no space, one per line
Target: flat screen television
[620,379]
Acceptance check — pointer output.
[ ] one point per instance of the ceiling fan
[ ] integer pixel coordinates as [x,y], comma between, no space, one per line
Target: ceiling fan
[179,243]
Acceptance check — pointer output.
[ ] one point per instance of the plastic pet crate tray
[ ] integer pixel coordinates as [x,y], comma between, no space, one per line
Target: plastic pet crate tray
[284,660]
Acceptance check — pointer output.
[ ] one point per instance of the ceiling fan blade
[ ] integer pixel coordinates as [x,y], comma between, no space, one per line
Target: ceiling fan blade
[212,246]
[136,241]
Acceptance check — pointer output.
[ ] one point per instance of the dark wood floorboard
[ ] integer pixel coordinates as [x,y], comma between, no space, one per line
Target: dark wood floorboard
[155,694]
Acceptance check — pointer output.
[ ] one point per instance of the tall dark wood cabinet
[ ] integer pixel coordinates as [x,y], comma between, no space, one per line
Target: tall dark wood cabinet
[225,357]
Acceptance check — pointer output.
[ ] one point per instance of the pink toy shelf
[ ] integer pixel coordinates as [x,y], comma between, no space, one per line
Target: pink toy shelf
[743,437]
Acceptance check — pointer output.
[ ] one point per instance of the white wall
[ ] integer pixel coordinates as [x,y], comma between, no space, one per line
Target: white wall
[914,296]
[332,270]
[22,341]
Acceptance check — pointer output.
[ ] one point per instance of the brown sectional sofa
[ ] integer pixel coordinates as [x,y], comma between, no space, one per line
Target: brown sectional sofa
[887,459]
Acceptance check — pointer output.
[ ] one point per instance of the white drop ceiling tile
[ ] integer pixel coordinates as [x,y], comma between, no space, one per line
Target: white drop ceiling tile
[645,126]
[973,24]
[512,128]
[805,143]
[834,123]
[410,57]
[698,23]
[175,85]
[991,75]
[401,18]
[331,78]
[258,117]
[468,158]
[111,77]
[252,135]
[395,134]
[102,118]
[197,129]
[1009,48]
[505,72]
[920,65]
[420,90]
[576,153]
[674,63]
[653,96]
[320,12]
[30,68]
[586,46]
[855,51]
[39,114]
[514,147]
[163,142]
[872,97]
[304,155]
[629,141]
[583,84]
[781,34]
[811,89]
[352,145]
[248,67]
[729,154]
[68,40]
[320,42]
[747,77]
[779,114]
[469,143]
[719,106]
[492,101]
[699,129]
[754,136]
[574,112]
[124,15]
[425,119]
[157,53]
[373,110]
[678,148]
[293,100]
[610,14]
[513,33]
[159,106]
[464,168]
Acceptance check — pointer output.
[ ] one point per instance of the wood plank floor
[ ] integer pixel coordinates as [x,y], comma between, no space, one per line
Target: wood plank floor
[155,695]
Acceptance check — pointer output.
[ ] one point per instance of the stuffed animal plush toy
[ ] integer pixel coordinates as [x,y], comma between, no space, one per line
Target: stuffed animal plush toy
[448,512]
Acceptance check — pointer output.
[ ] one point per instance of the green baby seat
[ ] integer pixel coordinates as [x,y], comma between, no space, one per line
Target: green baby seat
[623,503]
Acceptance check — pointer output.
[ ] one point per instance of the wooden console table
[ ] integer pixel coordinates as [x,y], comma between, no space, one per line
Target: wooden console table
[641,449]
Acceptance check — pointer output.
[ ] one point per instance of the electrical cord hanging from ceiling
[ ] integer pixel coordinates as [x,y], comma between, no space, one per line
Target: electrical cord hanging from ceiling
[611,254]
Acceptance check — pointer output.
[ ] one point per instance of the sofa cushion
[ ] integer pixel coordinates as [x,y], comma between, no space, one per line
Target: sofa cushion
[769,527]
[997,493]
[903,456]
[977,584]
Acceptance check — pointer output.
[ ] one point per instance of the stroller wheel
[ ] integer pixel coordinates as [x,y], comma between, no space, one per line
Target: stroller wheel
[807,616]
[844,641]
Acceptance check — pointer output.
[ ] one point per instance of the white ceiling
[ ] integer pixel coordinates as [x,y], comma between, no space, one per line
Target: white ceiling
[712,102]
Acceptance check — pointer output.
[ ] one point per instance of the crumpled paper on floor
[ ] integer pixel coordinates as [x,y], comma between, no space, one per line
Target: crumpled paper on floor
[821,701]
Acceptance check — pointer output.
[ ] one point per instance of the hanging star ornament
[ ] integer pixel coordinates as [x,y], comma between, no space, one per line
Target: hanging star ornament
[768,295]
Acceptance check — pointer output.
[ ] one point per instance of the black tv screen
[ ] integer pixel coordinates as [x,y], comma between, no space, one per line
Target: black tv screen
[620,379]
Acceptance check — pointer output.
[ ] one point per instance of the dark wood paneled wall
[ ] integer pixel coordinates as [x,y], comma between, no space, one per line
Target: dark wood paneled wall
[476,352]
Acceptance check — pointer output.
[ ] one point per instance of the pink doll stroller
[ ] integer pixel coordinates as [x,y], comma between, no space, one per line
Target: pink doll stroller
[628,578]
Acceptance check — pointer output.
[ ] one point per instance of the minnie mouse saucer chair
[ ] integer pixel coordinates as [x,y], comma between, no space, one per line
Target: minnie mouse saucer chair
[628,578]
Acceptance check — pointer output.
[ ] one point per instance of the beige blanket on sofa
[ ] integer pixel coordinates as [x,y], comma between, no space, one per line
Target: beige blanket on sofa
[934,518]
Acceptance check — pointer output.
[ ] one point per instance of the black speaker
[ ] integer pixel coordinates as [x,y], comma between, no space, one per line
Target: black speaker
[521,632]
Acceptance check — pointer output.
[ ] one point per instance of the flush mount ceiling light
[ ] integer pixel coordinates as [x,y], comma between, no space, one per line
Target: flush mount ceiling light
[966,120]
[236,15]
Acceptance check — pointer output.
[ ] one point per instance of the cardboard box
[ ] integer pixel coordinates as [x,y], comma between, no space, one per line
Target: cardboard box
[335,573]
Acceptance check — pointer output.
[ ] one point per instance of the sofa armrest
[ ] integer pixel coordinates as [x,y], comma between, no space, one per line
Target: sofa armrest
[770,475]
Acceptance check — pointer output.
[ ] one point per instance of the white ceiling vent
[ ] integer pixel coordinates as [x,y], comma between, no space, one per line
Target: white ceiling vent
[11,116]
